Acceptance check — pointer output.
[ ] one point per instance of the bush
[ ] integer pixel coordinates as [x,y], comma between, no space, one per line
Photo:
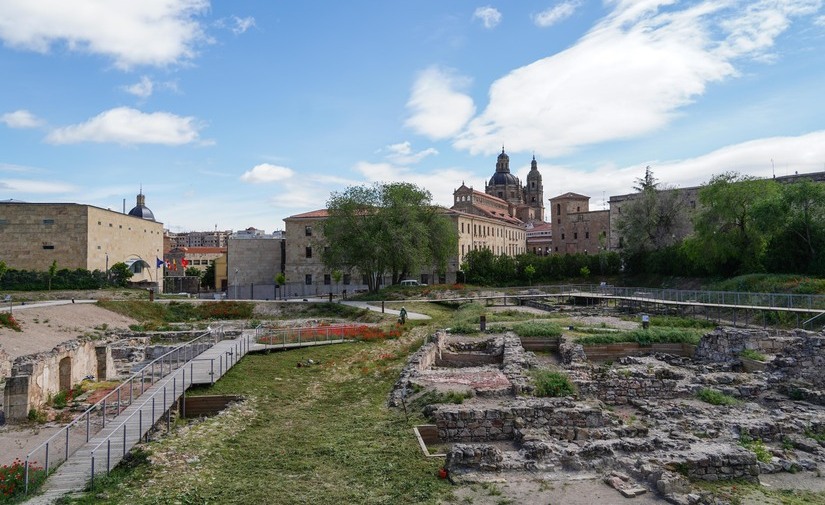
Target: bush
[537,329]
[757,447]
[8,321]
[465,328]
[752,354]
[715,397]
[552,384]
[13,479]
[645,337]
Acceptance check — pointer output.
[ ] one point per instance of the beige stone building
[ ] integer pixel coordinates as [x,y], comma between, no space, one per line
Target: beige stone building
[252,262]
[577,229]
[33,235]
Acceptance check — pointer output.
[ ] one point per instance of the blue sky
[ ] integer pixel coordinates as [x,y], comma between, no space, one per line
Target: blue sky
[238,114]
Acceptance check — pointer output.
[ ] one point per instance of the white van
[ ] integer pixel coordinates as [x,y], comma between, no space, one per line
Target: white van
[410,283]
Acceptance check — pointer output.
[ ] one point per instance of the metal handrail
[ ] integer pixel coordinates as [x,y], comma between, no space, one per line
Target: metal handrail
[182,370]
[301,332]
[101,404]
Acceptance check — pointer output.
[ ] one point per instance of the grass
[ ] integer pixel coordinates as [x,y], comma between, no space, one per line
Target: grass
[675,322]
[318,434]
[552,384]
[756,446]
[537,329]
[715,397]
[752,354]
[771,283]
[644,337]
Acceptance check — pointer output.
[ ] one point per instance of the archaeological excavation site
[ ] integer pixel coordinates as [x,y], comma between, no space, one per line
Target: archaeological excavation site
[655,420]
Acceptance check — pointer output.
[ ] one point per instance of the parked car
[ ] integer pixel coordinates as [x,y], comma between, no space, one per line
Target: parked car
[410,283]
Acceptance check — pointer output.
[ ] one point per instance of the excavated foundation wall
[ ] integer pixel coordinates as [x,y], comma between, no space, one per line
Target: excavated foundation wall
[616,387]
[461,423]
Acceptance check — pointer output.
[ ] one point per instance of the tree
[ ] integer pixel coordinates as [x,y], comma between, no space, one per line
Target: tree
[337,275]
[530,271]
[386,228]
[208,279]
[52,273]
[651,220]
[729,237]
[796,218]
[120,274]
[280,281]
[192,272]
[3,269]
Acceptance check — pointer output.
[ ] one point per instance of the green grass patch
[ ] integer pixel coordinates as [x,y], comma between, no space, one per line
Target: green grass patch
[318,434]
[645,337]
[435,397]
[756,446]
[154,315]
[771,283]
[674,322]
[537,329]
[552,384]
[715,397]
[752,354]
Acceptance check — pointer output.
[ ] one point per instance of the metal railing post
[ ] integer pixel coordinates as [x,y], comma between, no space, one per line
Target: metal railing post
[47,458]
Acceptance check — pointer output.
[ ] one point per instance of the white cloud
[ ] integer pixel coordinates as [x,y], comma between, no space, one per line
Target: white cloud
[20,119]
[241,25]
[555,14]
[266,172]
[489,16]
[819,21]
[142,89]
[146,32]
[403,154]
[442,192]
[627,77]
[439,110]
[35,186]
[124,125]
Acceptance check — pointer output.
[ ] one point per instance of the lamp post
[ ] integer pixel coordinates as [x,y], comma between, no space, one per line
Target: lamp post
[107,269]
[236,284]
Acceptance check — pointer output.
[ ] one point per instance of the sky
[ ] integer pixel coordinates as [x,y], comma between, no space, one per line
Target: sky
[231,115]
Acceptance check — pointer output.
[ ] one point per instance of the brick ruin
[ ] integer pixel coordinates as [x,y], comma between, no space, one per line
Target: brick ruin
[636,422]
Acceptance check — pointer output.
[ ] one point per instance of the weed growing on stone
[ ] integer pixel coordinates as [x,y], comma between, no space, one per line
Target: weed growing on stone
[756,446]
[752,354]
[715,397]
[552,384]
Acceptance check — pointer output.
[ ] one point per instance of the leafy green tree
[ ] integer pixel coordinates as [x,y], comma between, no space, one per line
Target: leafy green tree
[192,272]
[3,269]
[280,281]
[386,228]
[337,275]
[730,238]
[120,274]
[796,218]
[208,279]
[530,271]
[651,220]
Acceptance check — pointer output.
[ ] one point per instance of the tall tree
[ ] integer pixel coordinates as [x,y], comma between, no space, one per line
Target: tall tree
[652,219]
[796,218]
[729,236]
[386,228]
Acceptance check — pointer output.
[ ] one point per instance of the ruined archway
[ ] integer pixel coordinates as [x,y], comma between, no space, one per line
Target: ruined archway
[65,373]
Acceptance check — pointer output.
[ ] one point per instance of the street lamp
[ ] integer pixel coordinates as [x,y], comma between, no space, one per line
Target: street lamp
[236,283]
[107,269]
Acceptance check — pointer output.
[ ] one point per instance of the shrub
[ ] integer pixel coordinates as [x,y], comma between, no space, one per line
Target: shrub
[752,354]
[13,479]
[537,329]
[552,384]
[715,397]
[8,321]
[465,328]
[755,446]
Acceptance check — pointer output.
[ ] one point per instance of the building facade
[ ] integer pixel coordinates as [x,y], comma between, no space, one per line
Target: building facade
[524,202]
[253,260]
[34,235]
[577,229]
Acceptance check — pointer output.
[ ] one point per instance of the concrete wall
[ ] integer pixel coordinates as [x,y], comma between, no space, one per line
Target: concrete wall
[256,259]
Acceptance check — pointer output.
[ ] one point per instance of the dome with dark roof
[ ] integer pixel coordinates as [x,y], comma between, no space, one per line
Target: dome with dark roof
[141,210]
[502,178]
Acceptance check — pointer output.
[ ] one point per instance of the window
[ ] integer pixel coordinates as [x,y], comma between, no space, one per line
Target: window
[308,279]
[558,208]
[578,209]
[693,204]
[587,234]
[309,252]
[48,221]
[327,279]
[562,236]
[533,184]
[347,279]
[462,227]
[48,246]
[575,235]
[308,231]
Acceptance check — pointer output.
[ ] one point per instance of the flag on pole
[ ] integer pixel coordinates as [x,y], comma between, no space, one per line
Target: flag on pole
[158,262]
[184,262]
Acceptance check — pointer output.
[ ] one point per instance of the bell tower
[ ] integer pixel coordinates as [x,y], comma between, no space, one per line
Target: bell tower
[534,191]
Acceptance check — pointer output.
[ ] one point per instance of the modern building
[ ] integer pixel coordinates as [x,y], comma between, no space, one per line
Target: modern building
[253,260]
[34,235]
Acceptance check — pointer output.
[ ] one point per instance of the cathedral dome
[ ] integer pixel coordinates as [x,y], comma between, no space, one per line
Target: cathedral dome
[502,178]
[141,210]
